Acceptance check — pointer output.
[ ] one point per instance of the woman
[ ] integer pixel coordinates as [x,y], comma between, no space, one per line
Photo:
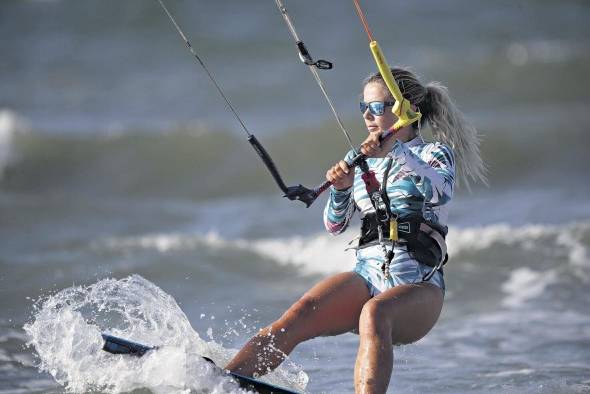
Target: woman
[389,298]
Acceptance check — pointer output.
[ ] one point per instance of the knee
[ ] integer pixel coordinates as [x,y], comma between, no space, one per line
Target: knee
[375,321]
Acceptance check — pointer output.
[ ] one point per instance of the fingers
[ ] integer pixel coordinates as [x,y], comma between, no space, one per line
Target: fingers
[341,168]
[372,146]
[340,175]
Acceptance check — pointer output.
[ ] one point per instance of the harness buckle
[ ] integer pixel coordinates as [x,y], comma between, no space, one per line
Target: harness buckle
[393,227]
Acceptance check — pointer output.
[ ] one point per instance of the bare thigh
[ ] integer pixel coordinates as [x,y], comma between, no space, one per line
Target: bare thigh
[410,310]
[331,307]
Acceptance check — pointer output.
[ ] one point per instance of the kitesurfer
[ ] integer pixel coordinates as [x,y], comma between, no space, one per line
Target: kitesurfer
[395,293]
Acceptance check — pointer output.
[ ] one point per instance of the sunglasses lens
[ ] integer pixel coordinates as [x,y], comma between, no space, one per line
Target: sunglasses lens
[363,106]
[377,108]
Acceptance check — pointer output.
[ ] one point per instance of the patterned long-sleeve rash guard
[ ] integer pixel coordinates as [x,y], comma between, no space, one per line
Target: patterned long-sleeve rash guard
[420,182]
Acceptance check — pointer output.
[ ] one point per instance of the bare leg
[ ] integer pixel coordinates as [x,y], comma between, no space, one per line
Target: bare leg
[399,315]
[331,307]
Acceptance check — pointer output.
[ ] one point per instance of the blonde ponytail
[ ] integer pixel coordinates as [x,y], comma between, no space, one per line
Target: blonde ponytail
[450,127]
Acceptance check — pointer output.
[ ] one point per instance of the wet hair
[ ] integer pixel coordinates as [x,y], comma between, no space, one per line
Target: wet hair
[448,124]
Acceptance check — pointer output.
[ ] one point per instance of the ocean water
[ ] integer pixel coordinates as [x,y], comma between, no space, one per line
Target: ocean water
[130,201]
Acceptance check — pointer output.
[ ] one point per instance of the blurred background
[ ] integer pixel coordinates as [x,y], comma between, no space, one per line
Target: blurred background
[118,157]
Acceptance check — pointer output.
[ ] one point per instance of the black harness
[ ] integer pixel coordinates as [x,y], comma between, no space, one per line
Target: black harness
[424,240]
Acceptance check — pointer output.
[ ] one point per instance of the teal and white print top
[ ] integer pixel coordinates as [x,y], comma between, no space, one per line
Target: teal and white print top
[420,182]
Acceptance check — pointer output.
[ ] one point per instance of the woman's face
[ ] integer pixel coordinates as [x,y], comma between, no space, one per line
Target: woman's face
[376,91]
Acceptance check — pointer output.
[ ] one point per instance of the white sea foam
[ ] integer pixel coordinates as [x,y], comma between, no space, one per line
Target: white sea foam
[323,253]
[528,283]
[569,236]
[525,284]
[164,243]
[66,334]
[319,253]
[10,124]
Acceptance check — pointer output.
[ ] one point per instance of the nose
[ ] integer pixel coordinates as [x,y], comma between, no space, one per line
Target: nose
[367,114]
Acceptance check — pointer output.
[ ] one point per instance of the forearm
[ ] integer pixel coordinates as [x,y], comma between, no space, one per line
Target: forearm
[338,210]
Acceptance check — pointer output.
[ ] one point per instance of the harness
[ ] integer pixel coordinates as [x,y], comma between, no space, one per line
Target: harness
[424,240]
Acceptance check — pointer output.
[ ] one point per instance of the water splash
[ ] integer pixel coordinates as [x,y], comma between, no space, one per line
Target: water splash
[66,334]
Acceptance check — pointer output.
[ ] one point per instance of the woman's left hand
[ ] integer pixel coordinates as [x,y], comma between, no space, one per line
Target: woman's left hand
[371,146]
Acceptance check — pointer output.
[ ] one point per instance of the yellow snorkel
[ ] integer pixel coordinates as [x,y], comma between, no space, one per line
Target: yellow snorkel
[402,107]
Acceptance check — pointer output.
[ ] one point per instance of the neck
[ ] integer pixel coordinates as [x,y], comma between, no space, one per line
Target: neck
[406,134]
[387,144]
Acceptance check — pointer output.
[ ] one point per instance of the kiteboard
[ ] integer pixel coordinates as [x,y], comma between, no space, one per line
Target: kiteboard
[116,345]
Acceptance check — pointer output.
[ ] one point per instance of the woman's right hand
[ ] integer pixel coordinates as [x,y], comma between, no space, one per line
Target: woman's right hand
[340,175]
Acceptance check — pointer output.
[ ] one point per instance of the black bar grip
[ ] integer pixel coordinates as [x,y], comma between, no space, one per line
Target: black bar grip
[270,165]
